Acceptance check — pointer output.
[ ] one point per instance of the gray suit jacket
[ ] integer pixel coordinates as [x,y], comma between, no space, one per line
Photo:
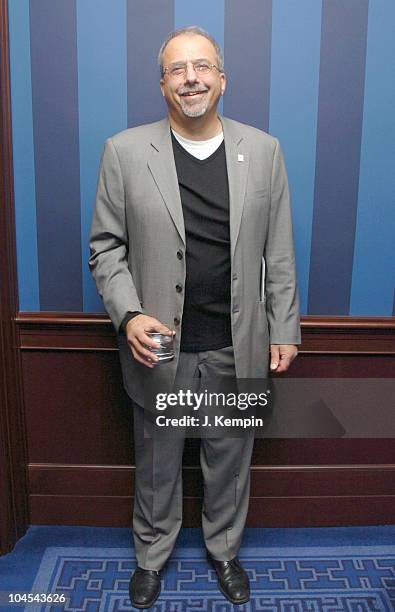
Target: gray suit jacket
[138,228]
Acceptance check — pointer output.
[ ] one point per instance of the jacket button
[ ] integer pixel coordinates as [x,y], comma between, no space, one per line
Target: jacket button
[179,254]
[176,321]
[178,288]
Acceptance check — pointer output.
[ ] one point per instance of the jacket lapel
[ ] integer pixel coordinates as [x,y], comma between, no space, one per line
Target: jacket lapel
[237,162]
[162,166]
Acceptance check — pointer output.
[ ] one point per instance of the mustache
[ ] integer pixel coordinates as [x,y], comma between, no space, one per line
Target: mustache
[185,90]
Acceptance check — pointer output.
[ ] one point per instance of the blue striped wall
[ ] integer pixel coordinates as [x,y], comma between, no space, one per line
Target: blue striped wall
[318,74]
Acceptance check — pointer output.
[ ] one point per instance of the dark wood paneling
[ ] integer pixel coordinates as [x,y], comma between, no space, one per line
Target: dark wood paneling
[321,511]
[284,496]
[81,480]
[76,409]
[106,511]
[263,511]
[324,452]
[13,484]
[79,425]
[343,365]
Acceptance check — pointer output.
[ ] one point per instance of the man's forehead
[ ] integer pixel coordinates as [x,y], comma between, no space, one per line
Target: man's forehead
[188,45]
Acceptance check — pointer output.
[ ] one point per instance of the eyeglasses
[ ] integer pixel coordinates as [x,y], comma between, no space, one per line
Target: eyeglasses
[180,69]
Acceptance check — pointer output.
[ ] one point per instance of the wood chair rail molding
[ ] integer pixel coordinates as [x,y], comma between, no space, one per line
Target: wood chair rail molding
[320,334]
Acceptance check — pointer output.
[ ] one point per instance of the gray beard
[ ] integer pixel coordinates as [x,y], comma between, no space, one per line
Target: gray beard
[193,111]
[189,112]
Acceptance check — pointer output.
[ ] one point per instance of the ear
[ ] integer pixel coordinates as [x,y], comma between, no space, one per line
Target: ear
[223,83]
[161,85]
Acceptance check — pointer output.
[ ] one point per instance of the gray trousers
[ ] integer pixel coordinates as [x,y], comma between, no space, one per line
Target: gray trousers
[225,464]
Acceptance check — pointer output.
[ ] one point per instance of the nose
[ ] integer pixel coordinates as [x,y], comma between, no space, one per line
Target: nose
[190,74]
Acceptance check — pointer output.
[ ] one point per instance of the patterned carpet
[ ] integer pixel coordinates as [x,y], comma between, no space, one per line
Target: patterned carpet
[287,579]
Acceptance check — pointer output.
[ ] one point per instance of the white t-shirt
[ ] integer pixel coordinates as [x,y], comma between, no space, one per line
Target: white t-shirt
[200,148]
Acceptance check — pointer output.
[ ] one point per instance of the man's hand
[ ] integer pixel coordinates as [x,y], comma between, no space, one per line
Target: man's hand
[137,338]
[281,356]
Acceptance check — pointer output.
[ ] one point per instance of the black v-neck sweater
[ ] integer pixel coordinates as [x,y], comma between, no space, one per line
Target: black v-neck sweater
[206,323]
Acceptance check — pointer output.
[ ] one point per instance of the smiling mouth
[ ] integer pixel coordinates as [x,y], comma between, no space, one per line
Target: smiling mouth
[190,94]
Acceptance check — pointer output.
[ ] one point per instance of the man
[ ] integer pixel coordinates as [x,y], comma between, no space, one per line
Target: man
[192,231]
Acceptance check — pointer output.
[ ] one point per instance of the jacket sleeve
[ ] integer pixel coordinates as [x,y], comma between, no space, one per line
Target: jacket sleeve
[282,300]
[108,241]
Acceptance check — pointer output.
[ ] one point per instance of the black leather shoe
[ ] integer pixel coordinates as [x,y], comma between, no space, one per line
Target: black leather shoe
[232,580]
[144,588]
